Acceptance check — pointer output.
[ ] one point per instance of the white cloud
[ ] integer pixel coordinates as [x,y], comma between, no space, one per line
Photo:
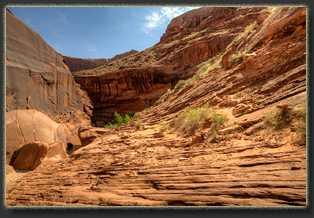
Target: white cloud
[161,18]
[61,17]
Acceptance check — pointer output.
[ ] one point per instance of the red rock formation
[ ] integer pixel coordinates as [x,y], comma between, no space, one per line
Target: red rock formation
[248,163]
[33,154]
[273,68]
[37,77]
[123,55]
[126,91]
[79,64]
[26,126]
[132,84]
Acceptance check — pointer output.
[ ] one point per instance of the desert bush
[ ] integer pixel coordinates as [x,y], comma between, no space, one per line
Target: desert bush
[118,120]
[249,28]
[162,126]
[127,118]
[110,126]
[165,95]
[179,85]
[278,119]
[285,117]
[299,116]
[218,119]
[138,124]
[191,120]
[236,58]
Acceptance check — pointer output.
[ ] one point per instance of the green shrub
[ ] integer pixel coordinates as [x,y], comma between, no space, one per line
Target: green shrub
[218,119]
[179,85]
[191,120]
[126,118]
[137,113]
[118,120]
[237,58]
[110,126]
[138,124]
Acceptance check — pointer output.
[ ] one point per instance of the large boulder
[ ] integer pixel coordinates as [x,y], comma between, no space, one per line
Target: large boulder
[88,134]
[31,155]
[25,126]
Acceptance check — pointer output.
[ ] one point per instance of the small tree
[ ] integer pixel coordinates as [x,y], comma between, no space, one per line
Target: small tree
[127,118]
[118,119]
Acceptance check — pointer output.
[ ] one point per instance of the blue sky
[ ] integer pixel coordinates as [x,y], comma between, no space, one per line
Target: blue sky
[98,32]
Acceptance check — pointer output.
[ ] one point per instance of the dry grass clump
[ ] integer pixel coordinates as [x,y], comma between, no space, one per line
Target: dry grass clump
[189,121]
[299,118]
[138,125]
[162,126]
[237,58]
[179,85]
[205,69]
[286,117]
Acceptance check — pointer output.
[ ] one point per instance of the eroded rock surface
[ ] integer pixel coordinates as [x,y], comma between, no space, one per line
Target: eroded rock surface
[79,64]
[136,82]
[31,155]
[247,163]
[139,170]
[37,77]
[26,126]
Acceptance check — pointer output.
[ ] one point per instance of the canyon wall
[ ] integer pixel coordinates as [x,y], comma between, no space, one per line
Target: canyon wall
[260,69]
[125,91]
[39,80]
[79,64]
[37,77]
[190,40]
[244,99]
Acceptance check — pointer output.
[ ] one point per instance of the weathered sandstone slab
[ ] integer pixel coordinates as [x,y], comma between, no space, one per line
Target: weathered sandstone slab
[88,134]
[31,155]
[26,126]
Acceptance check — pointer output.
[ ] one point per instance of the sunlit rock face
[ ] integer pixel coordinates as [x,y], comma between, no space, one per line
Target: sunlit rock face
[37,77]
[79,64]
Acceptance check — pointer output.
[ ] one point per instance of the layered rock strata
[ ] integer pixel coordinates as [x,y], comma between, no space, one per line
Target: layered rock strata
[136,82]
[79,64]
[248,163]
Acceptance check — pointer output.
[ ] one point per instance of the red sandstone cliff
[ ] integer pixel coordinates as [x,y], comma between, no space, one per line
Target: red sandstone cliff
[80,64]
[190,40]
[38,78]
[246,163]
